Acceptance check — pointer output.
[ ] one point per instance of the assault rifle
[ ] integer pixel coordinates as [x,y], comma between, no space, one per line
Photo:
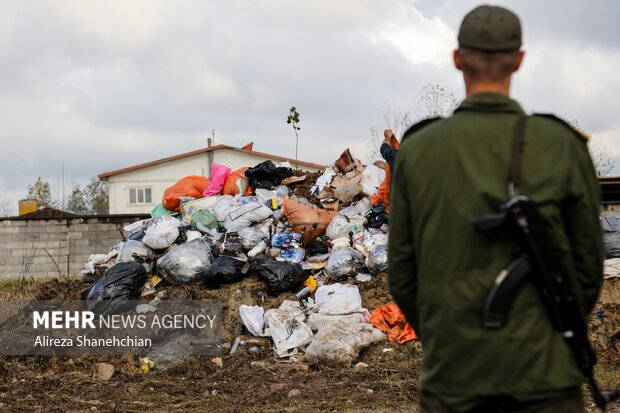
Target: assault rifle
[521,217]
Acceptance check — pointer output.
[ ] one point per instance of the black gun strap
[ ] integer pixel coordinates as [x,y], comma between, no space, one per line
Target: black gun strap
[517,153]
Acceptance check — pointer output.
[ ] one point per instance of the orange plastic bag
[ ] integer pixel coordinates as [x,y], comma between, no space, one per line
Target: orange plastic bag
[383,193]
[192,186]
[389,319]
[236,182]
[303,217]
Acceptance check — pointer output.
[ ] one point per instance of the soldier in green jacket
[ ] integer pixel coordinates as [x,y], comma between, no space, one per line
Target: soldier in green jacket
[449,171]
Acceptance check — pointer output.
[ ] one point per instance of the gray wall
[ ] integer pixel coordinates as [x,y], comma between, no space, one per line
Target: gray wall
[41,248]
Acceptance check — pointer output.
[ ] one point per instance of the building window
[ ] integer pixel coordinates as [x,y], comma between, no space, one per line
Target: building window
[140,196]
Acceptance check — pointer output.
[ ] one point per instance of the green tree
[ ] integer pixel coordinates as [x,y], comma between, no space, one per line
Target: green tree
[77,201]
[42,192]
[293,119]
[97,197]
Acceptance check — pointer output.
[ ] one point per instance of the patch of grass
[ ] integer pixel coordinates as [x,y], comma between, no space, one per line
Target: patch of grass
[17,288]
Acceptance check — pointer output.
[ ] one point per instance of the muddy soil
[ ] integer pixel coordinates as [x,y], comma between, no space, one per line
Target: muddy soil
[252,379]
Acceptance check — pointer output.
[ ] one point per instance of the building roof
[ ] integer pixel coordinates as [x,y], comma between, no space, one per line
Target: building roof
[46,213]
[245,149]
[610,190]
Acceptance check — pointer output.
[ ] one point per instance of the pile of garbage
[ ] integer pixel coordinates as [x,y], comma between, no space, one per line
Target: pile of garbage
[252,222]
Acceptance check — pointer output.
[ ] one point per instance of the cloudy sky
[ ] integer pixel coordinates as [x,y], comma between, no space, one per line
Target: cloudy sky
[102,84]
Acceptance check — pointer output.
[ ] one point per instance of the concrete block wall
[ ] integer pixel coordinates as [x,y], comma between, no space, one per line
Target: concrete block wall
[42,248]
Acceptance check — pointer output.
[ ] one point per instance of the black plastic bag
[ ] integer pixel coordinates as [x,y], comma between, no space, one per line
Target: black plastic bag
[317,248]
[226,270]
[377,217]
[121,283]
[266,175]
[280,276]
[187,262]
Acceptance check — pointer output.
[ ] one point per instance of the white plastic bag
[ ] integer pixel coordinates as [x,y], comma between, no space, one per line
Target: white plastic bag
[286,326]
[371,179]
[323,181]
[223,207]
[244,215]
[317,321]
[339,299]
[252,236]
[162,233]
[136,251]
[253,318]
[341,344]
[341,225]
[344,263]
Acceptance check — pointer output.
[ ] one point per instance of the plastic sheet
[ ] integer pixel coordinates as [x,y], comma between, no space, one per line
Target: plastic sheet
[344,263]
[121,282]
[286,327]
[280,276]
[253,318]
[162,233]
[187,263]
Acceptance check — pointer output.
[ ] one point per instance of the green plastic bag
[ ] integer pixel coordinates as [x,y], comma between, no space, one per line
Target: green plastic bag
[204,217]
[159,211]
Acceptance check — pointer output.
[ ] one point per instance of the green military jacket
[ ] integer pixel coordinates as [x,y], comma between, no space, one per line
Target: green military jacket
[441,270]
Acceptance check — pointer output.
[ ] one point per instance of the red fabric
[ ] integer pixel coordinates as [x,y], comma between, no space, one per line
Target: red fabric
[192,186]
[389,319]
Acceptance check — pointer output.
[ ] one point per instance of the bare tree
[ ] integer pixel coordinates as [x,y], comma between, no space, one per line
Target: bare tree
[392,119]
[603,162]
[435,101]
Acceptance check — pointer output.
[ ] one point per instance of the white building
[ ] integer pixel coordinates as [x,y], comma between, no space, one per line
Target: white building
[137,189]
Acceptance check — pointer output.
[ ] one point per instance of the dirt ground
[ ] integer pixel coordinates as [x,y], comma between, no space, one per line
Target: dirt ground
[251,380]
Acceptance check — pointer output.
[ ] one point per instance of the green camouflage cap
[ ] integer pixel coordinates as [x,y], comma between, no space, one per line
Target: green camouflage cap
[490,29]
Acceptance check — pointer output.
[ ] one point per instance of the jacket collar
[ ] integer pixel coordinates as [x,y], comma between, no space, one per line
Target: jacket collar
[490,102]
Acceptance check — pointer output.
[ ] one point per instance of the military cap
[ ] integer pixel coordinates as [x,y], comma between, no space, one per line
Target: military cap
[490,29]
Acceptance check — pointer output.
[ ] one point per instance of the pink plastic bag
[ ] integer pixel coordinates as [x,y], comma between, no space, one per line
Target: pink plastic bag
[219,173]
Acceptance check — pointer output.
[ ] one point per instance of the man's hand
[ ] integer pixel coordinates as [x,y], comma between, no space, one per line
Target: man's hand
[388,136]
